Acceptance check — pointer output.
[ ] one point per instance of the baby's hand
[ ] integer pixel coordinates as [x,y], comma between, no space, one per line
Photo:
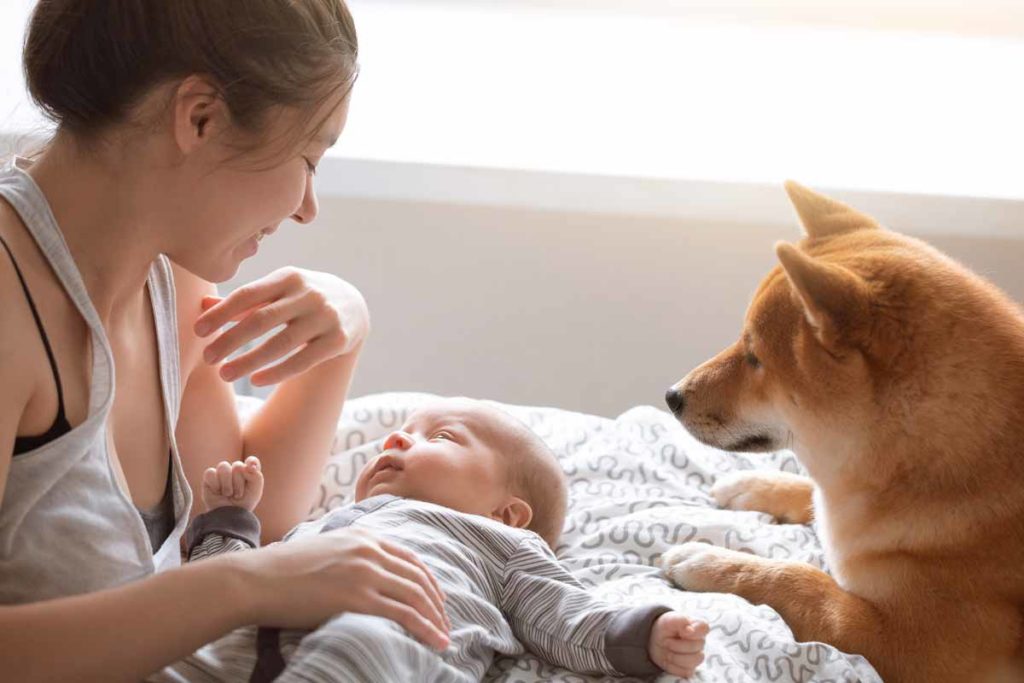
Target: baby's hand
[677,644]
[233,483]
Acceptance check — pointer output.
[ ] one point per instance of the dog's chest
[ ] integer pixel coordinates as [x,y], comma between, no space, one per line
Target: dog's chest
[824,529]
[846,534]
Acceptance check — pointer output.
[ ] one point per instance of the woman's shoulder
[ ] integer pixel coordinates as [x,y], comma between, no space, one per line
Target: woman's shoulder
[17,373]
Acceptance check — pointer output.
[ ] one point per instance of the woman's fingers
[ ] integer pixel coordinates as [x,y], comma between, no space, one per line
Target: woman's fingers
[314,352]
[253,326]
[420,578]
[295,335]
[410,620]
[263,291]
[394,586]
[323,317]
[209,302]
[423,571]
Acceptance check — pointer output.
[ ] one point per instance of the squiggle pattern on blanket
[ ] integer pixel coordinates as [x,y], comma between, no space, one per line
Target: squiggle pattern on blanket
[638,485]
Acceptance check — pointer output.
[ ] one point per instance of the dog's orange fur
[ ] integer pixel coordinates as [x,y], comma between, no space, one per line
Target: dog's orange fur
[897,377]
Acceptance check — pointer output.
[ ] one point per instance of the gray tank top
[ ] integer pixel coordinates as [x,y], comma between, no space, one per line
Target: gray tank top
[66,526]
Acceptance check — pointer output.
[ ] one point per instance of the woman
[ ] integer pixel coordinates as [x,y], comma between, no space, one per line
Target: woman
[186,132]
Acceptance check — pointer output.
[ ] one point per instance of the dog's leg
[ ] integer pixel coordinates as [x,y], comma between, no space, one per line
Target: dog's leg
[910,643]
[787,497]
[810,601]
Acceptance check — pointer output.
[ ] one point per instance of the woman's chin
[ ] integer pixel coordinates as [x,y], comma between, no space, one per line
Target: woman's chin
[219,271]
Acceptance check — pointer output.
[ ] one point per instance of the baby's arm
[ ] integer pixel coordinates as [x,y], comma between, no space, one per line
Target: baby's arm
[559,621]
[230,493]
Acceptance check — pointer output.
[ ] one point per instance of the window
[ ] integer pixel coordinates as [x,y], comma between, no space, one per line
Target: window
[654,88]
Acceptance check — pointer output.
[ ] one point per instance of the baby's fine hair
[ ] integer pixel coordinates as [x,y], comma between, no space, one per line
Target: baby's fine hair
[536,477]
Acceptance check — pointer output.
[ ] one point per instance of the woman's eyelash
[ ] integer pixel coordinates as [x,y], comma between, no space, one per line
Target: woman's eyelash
[310,165]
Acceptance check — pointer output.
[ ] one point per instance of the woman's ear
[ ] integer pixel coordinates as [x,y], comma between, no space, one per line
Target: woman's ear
[197,113]
[514,512]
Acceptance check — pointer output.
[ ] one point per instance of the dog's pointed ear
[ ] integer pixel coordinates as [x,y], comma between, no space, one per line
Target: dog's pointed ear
[823,216]
[835,300]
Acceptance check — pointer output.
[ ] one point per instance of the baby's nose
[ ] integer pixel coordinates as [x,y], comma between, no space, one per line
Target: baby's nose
[399,440]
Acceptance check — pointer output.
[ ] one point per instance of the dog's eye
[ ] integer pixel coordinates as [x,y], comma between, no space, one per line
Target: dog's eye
[752,360]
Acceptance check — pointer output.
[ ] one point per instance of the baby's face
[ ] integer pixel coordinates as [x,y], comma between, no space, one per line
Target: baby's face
[447,453]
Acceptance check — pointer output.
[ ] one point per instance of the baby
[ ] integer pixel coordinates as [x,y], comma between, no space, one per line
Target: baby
[480,499]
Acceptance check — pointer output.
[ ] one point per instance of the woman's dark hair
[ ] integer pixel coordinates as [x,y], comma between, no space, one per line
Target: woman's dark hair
[88,62]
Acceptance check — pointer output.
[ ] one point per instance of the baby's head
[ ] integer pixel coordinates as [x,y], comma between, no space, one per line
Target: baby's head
[475,458]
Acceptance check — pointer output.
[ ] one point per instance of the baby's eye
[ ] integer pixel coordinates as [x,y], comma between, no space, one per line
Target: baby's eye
[752,360]
[442,435]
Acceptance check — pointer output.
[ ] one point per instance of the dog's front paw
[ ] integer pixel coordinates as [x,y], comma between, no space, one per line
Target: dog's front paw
[787,497]
[705,568]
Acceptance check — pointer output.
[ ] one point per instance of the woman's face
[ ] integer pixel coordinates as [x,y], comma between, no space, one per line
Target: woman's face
[227,204]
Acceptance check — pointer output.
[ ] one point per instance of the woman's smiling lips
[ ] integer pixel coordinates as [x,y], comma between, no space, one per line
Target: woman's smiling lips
[252,245]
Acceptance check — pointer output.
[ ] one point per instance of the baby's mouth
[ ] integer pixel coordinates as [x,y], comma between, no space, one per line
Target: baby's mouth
[386,464]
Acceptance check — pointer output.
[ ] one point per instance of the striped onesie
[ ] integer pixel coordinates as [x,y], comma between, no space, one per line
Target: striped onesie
[506,593]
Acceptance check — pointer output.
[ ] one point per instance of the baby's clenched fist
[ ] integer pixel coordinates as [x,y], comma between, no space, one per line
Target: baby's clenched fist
[677,643]
[233,483]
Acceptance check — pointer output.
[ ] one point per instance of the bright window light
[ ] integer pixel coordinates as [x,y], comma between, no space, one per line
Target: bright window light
[520,85]
[730,90]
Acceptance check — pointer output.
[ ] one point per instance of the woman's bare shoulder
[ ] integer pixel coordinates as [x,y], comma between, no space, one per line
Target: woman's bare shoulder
[17,373]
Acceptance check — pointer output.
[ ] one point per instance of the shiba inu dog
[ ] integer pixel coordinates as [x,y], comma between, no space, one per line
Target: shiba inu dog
[897,377]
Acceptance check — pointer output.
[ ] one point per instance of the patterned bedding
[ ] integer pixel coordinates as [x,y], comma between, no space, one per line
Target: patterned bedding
[638,485]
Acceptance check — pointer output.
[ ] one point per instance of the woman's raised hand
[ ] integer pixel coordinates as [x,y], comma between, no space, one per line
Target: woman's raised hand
[323,317]
[302,583]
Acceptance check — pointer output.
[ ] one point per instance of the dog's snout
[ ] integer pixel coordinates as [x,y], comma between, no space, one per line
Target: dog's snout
[675,400]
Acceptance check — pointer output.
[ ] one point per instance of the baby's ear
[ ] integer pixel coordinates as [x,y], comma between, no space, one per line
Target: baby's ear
[514,512]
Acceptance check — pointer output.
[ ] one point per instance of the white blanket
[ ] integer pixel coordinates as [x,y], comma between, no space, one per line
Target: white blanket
[638,485]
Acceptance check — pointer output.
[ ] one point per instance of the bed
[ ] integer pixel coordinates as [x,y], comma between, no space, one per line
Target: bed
[638,485]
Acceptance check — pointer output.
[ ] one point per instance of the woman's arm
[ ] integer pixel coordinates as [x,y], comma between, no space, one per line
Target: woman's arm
[291,432]
[125,633]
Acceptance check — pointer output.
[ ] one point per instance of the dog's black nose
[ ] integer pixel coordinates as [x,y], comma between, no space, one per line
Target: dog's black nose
[674,399]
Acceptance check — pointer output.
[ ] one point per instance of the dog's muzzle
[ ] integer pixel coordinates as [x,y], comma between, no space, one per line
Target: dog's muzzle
[675,400]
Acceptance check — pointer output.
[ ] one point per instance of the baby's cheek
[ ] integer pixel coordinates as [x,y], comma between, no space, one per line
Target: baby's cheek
[360,491]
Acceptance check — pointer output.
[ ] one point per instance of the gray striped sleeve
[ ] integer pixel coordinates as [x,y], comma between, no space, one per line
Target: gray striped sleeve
[558,620]
[221,530]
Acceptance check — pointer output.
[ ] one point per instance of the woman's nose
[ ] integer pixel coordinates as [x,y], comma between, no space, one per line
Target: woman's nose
[309,207]
[398,440]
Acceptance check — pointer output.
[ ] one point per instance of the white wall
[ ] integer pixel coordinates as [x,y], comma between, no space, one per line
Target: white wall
[583,311]
[650,137]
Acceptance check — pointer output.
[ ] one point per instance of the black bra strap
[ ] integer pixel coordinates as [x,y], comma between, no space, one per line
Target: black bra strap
[42,332]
